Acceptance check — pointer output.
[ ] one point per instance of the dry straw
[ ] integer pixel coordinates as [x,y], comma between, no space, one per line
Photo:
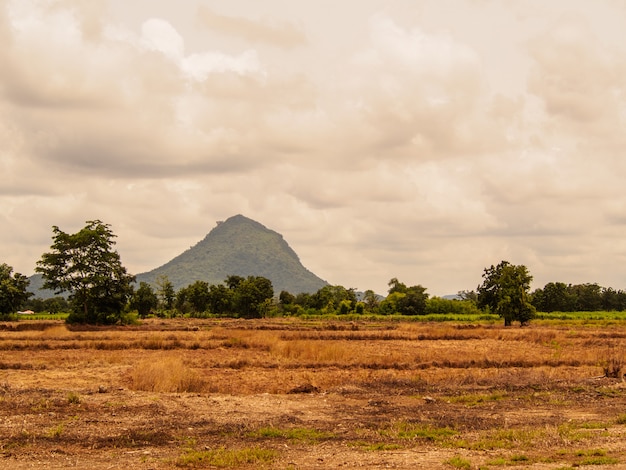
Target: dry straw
[169,374]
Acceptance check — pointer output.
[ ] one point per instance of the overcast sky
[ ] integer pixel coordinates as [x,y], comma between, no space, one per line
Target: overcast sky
[423,140]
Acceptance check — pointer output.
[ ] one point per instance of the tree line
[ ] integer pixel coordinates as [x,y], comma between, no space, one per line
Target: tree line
[86,267]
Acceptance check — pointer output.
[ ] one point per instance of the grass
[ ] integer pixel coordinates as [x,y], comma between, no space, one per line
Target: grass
[478,399]
[376,446]
[419,431]
[459,462]
[169,374]
[294,434]
[56,431]
[226,458]
[73,398]
[494,439]
[531,394]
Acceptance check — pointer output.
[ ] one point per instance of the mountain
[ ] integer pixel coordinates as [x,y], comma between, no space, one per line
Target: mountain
[239,246]
[36,287]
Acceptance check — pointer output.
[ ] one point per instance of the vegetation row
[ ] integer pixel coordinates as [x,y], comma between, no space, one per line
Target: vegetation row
[85,267]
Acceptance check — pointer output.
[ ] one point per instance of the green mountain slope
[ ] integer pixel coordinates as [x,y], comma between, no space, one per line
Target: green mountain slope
[243,247]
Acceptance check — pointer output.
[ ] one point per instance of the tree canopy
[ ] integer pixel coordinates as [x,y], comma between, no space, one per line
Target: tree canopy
[505,292]
[13,291]
[86,265]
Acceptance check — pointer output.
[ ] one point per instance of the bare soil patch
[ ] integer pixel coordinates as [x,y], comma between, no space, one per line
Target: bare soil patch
[291,394]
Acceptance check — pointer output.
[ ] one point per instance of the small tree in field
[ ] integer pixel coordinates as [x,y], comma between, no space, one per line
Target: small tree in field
[505,291]
[86,265]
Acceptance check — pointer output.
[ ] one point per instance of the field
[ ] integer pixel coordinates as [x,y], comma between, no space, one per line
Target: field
[299,394]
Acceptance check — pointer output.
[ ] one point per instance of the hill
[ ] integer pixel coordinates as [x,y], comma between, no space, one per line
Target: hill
[36,287]
[238,246]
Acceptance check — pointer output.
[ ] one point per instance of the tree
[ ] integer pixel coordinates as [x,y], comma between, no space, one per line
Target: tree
[252,296]
[199,296]
[396,286]
[390,305]
[86,265]
[233,281]
[329,298]
[144,300]
[221,299]
[505,292]
[165,292]
[468,295]
[286,298]
[370,299]
[12,290]
[589,297]
[404,300]
[414,301]
[554,297]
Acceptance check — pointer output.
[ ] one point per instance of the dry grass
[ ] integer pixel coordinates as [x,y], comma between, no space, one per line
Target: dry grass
[253,355]
[169,374]
[478,394]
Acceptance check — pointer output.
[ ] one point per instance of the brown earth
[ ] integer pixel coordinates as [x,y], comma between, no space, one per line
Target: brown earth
[291,394]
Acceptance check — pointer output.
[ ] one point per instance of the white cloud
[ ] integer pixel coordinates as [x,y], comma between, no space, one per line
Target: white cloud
[159,35]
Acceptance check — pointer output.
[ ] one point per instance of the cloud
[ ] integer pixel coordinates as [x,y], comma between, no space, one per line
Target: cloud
[422,95]
[279,34]
[159,35]
[577,77]
[384,152]
[117,106]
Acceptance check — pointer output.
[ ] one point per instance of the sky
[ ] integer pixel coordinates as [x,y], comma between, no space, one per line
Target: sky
[418,139]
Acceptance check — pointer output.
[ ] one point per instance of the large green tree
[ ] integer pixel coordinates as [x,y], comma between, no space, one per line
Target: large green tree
[505,291]
[13,291]
[85,265]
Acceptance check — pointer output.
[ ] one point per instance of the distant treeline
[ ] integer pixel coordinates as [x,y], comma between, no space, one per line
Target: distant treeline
[561,297]
[254,297]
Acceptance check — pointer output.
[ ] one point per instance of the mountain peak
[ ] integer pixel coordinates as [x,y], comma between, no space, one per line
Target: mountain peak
[243,247]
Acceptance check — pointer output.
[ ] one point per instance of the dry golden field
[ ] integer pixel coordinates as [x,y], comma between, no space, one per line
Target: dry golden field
[292,394]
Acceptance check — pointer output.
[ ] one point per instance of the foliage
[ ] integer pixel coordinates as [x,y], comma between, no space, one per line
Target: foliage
[13,290]
[221,299]
[414,301]
[370,299]
[504,291]
[165,292]
[252,296]
[85,265]
[144,300]
[438,305]
[249,297]
[329,299]
[194,298]
[396,286]
[404,300]
[590,297]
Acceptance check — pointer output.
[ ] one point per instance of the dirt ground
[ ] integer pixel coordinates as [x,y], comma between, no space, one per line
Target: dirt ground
[73,399]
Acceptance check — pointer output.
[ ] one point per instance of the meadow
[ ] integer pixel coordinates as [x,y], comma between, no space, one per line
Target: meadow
[320,392]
